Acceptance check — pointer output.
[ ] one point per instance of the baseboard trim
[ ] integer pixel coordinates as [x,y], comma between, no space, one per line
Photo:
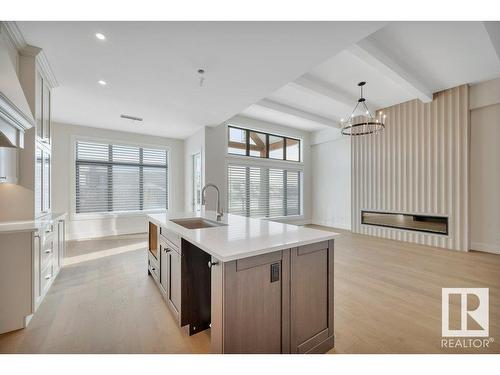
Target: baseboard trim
[331,224]
[92,236]
[486,247]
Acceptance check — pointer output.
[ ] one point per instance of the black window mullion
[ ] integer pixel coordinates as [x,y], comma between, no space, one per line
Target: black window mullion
[247,140]
[267,146]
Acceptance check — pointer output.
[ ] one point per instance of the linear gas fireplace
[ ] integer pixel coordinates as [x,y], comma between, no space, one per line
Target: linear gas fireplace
[419,223]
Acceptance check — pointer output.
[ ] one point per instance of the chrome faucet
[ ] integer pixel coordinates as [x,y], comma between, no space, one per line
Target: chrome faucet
[220,213]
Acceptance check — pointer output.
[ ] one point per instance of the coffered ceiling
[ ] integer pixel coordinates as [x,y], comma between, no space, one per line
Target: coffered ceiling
[399,62]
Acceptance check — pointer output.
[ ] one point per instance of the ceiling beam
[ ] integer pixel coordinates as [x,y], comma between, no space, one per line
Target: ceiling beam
[292,111]
[385,64]
[317,86]
[493,30]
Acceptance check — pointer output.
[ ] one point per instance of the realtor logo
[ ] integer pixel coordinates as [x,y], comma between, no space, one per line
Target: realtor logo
[465,312]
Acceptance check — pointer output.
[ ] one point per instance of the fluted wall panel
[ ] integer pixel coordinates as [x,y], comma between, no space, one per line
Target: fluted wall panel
[419,164]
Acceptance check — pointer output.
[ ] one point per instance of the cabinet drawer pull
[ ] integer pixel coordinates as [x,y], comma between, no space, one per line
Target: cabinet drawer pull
[153,269]
[48,251]
[48,277]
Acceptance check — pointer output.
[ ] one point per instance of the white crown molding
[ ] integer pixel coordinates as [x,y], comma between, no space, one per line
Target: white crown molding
[13,116]
[17,39]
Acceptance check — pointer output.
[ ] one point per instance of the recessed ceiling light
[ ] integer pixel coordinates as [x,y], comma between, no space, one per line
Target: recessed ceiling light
[101,82]
[100,36]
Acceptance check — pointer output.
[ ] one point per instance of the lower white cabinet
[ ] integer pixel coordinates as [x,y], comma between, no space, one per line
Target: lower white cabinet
[49,248]
[29,263]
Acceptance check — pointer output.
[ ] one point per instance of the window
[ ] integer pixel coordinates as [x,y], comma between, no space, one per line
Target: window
[117,178]
[262,145]
[196,163]
[263,192]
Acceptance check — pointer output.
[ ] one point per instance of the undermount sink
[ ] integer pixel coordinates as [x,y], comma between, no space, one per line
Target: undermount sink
[197,223]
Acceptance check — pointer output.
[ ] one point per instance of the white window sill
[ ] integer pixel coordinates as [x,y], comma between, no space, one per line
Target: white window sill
[111,215]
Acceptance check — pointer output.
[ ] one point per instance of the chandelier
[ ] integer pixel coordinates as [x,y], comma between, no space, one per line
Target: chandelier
[365,123]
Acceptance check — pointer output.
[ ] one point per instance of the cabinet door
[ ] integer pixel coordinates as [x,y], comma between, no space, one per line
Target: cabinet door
[46,182]
[38,180]
[61,234]
[174,284]
[253,304]
[55,258]
[311,297]
[37,245]
[46,114]
[39,105]
[164,268]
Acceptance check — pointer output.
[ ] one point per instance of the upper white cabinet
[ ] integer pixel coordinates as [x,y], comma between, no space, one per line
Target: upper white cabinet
[36,165]
[46,107]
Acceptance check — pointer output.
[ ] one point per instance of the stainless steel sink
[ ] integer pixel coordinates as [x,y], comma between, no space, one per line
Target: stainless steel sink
[197,223]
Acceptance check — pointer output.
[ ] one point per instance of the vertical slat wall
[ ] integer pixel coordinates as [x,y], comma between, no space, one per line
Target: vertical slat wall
[419,164]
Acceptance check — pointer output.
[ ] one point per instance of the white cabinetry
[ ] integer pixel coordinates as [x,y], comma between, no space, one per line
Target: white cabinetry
[29,263]
[35,157]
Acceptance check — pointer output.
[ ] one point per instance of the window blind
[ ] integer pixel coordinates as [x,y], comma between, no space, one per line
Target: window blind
[263,192]
[118,178]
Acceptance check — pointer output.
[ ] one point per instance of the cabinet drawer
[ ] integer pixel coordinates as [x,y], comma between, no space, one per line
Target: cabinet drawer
[46,233]
[166,244]
[47,251]
[153,268]
[171,236]
[46,277]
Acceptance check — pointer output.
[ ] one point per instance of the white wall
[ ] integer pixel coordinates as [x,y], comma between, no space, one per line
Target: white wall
[216,159]
[485,166]
[62,183]
[193,145]
[331,176]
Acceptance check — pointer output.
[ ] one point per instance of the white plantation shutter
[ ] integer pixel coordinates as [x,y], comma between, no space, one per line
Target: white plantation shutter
[118,178]
[263,192]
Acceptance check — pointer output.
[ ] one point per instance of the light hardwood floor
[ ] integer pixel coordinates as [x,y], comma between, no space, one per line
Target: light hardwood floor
[104,302]
[387,300]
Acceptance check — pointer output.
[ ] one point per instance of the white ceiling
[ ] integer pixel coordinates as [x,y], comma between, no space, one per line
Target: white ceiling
[150,68]
[399,62]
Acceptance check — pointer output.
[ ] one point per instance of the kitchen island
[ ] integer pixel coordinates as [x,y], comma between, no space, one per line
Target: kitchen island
[259,286]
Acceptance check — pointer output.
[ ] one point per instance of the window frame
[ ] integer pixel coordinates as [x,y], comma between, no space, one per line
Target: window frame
[111,214]
[247,141]
[300,173]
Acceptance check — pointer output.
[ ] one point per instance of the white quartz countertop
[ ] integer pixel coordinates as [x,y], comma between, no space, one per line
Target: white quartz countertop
[29,225]
[242,237]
